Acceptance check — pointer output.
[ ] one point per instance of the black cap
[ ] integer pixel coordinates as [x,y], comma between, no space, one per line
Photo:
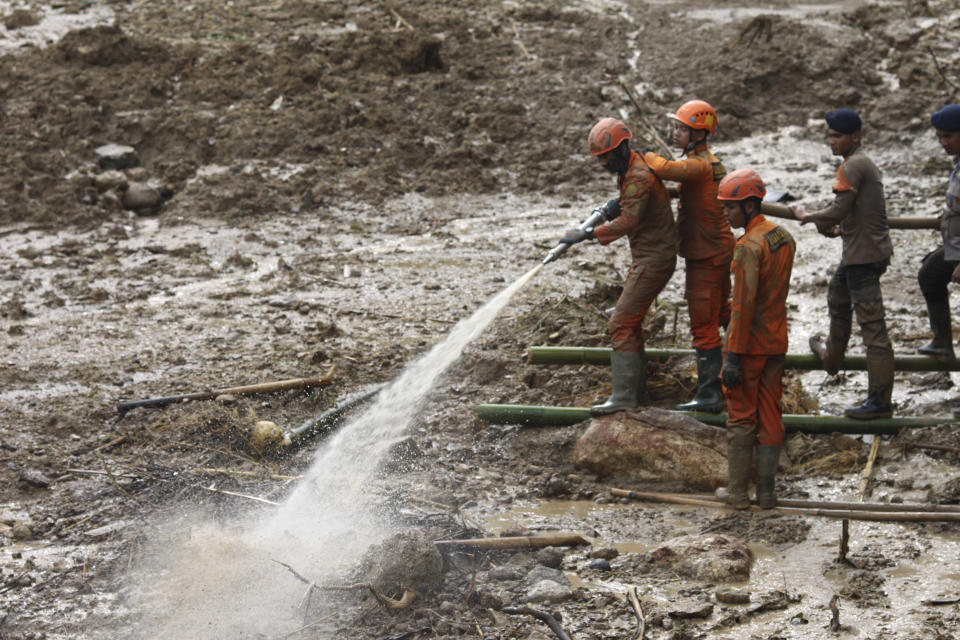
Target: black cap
[844,120]
[947,118]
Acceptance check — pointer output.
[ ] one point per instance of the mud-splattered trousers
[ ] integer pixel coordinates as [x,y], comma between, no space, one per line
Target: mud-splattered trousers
[647,221]
[706,241]
[761,267]
[859,208]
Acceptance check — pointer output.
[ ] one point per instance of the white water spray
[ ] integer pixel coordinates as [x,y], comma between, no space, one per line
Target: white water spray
[330,503]
[220,583]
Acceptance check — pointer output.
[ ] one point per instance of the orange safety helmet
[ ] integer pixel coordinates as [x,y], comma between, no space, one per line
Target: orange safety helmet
[697,114]
[607,135]
[740,185]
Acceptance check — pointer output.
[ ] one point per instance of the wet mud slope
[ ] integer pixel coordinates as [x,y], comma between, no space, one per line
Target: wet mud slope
[338,184]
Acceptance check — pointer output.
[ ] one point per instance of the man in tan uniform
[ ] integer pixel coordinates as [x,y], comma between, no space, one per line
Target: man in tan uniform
[643,215]
[858,214]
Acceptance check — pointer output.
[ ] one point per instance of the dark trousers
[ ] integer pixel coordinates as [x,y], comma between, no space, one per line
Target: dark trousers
[855,289]
[934,276]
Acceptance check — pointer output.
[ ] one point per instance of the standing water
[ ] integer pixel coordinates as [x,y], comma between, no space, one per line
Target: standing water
[221,583]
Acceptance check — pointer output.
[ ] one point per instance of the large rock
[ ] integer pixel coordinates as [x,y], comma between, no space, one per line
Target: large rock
[710,558]
[654,446]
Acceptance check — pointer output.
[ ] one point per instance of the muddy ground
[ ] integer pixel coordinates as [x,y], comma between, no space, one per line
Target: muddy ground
[340,184]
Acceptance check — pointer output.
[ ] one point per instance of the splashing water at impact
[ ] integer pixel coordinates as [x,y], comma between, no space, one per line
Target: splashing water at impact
[331,504]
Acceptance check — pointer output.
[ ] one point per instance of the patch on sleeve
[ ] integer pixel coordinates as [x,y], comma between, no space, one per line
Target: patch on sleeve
[841,183]
[737,253]
[630,190]
[719,172]
[776,238]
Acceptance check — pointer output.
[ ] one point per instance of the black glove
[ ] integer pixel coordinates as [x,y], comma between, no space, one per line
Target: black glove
[573,236]
[730,375]
[611,210]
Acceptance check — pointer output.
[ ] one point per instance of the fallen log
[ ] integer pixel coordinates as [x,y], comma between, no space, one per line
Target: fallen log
[266,387]
[542,416]
[799,361]
[519,542]
[850,514]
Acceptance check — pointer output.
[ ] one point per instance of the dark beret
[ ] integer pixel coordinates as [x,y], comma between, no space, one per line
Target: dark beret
[947,118]
[844,120]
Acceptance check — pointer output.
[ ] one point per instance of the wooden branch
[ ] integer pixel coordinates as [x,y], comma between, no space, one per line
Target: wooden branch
[835,611]
[518,542]
[644,125]
[241,495]
[634,601]
[940,71]
[852,514]
[546,618]
[861,492]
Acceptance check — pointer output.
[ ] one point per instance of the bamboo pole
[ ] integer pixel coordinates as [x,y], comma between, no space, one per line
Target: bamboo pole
[519,542]
[266,387]
[777,210]
[892,507]
[800,361]
[543,416]
[875,516]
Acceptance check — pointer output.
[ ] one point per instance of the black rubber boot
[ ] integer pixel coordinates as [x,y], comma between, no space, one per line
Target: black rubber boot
[626,367]
[740,441]
[768,460]
[709,395]
[643,398]
[941,347]
[829,351]
[879,389]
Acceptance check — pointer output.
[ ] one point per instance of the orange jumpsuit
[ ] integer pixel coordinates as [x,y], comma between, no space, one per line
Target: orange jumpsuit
[706,241]
[761,266]
[647,221]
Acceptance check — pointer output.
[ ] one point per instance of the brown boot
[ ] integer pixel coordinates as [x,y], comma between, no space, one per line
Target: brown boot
[740,441]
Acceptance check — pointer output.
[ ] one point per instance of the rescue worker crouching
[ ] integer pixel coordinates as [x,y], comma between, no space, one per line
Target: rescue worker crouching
[706,244]
[858,214]
[942,266]
[642,214]
[756,341]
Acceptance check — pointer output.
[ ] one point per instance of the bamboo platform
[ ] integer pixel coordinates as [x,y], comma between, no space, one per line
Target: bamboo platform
[543,416]
[800,361]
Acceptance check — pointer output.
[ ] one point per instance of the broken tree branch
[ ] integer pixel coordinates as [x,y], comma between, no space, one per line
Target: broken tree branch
[542,616]
[518,542]
[634,601]
[266,387]
[943,76]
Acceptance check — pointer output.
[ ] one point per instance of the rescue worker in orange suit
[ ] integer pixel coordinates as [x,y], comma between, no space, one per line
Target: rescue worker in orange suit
[942,266]
[858,214]
[756,345]
[642,213]
[706,244]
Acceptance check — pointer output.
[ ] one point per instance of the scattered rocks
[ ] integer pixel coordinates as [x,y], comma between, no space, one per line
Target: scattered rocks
[691,609]
[607,553]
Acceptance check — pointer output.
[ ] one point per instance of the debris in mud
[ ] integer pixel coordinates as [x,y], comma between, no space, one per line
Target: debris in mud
[710,558]
[406,560]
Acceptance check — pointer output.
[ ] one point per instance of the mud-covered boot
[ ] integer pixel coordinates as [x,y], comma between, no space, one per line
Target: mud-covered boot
[829,351]
[709,395]
[625,366]
[643,397]
[740,441]
[768,460]
[879,389]
[941,347]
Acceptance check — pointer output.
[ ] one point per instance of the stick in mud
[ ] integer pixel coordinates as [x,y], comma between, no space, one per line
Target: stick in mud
[544,617]
[266,387]
[518,542]
[634,601]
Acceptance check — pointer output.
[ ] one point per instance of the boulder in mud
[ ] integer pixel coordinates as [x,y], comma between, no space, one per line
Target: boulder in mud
[406,560]
[710,558]
[654,446]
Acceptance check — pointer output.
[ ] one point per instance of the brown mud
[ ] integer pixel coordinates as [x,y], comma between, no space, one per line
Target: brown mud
[341,184]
